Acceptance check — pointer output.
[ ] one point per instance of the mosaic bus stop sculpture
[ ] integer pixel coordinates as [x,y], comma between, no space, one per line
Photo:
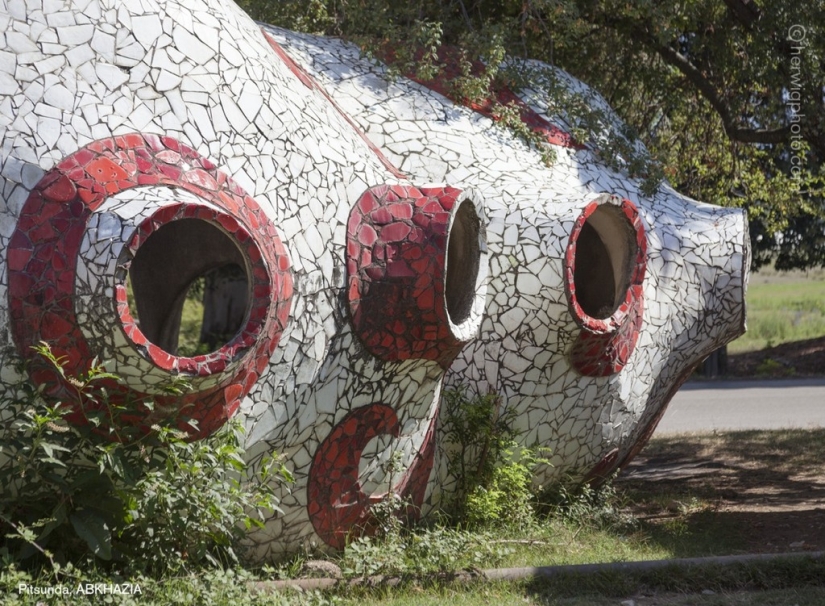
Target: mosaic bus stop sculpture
[162,141]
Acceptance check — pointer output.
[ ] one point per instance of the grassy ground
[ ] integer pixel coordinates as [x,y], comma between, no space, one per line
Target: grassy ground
[684,496]
[609,590]
[766,489]
[783,307]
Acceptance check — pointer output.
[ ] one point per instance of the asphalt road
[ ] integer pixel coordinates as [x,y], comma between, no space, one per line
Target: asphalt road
[776,404]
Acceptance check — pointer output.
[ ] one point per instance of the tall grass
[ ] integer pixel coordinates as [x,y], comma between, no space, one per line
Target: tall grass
[783,307]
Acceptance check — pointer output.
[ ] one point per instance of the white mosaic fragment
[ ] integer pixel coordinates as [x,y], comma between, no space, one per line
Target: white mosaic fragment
[104,44]
[72,35]
[112,77]
[191,45]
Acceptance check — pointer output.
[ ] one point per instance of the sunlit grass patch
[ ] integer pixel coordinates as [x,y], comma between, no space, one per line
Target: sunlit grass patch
[783,307]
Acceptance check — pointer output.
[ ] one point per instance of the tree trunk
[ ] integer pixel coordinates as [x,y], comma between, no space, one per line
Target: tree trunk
[716,364]
[225,299]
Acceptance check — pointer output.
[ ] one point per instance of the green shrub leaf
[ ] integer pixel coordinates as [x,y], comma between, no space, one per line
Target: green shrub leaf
[92,528]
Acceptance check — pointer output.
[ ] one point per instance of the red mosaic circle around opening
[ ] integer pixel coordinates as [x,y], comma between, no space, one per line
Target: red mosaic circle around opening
[637,271]
[43,252]
[216,361]
[604,345]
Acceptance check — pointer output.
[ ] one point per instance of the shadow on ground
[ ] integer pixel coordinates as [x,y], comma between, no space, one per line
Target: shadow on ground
[799,359]
[733,492]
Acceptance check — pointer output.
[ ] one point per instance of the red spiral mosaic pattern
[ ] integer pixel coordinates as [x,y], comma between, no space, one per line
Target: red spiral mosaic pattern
[43,254]
[604,346]
[397,240]
[337,506]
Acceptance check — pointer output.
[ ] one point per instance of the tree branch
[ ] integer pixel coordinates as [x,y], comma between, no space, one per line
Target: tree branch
[709,92]
[705,87]
[745,11]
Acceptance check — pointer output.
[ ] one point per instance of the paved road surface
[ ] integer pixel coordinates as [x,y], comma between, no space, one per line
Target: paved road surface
[700,407]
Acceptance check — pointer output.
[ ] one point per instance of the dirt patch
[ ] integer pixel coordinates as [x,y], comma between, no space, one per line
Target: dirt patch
[783,597]
[765,489]
[799,359]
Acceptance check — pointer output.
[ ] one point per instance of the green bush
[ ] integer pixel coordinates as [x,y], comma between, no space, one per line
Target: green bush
[508,496]
[149,499]
[494,477]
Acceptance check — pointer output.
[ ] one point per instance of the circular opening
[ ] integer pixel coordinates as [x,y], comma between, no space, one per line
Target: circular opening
[603,265]
[190,287]
[463,258]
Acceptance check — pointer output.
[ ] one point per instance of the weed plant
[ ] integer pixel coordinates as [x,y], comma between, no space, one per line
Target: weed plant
[111,495]
[595,507]
[493,475]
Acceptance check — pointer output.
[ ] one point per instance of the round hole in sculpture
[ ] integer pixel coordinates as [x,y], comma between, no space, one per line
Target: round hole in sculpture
[603,265]
[190,287]
[463,258]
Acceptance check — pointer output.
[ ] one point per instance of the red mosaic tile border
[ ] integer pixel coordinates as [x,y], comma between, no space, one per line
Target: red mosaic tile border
[337,506]
[217,361]
[45,246]
[397,240]
[604,346]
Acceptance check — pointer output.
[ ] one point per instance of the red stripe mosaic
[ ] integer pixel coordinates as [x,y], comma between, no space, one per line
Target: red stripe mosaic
[451,70]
